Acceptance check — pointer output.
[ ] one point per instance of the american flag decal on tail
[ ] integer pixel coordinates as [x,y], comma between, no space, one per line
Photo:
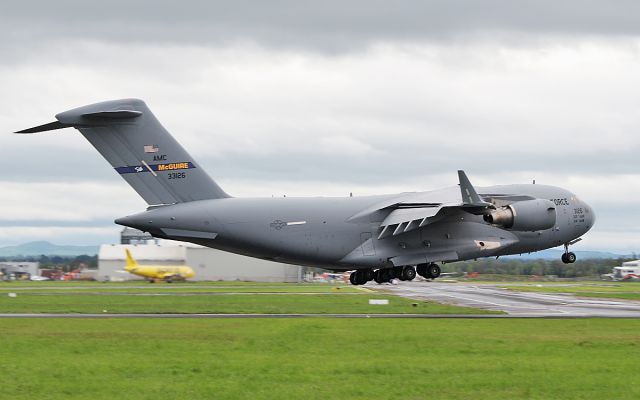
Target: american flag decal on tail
[150,148]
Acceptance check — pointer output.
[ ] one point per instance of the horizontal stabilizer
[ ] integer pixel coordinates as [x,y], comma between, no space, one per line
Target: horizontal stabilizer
[46,127]
[116,114]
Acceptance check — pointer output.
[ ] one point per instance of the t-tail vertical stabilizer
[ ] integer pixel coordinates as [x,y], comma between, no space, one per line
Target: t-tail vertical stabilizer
[131,262]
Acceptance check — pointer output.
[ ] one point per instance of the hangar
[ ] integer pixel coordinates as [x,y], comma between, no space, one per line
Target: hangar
[19,268]
[208,264]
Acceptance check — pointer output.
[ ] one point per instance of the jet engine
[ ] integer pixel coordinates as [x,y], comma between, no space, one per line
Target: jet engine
[528,215]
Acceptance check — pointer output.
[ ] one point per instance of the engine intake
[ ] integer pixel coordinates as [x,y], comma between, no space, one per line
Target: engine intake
[528,215]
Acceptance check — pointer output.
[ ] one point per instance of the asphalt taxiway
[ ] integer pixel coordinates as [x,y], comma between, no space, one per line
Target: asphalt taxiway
[515,304]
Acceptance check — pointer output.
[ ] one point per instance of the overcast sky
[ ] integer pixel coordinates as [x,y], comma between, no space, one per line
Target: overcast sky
[325,98]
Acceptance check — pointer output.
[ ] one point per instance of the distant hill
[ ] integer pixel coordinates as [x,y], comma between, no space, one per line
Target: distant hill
[46,248]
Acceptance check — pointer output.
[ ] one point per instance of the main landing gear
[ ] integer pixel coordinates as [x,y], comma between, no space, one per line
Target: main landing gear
[568,257]
[428,271]
[406,273]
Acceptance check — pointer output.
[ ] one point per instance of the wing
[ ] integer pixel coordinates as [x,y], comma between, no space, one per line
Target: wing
[415,210]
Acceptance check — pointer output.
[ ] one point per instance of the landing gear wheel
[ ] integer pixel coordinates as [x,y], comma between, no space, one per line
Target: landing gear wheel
[368,275]
[568,258]
[433,270]
[396,273]
[360,276]
[377,276]
[421,269]
[386,274]
[408,273]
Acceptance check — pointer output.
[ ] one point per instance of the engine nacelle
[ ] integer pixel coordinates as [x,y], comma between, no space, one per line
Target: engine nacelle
[528,215]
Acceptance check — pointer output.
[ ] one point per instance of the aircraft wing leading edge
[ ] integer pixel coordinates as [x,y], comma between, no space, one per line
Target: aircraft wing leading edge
[409,214]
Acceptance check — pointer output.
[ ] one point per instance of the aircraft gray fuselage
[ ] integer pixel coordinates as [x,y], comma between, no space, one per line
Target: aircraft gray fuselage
[388,233]
[316,232]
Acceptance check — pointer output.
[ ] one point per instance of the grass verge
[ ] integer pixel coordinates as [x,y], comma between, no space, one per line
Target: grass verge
[226,303]
[318,359]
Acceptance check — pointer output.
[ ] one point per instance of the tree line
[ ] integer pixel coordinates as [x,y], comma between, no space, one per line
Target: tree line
[66,263]
[511,266]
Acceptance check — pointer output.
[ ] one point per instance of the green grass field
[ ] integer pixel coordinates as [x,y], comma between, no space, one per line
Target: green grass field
[209,298]
[142,288]
[319,359]
[614,290]
[140,282]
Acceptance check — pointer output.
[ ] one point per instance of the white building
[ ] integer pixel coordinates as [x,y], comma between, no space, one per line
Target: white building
[628,270]
[8,268]
[208,264]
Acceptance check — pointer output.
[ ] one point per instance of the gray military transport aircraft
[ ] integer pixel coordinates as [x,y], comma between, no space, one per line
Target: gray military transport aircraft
[380,237]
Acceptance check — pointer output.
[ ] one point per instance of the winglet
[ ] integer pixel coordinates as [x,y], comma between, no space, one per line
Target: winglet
[469,195]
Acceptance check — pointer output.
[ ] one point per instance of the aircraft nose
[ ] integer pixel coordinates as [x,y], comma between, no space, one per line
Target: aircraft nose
[590,216]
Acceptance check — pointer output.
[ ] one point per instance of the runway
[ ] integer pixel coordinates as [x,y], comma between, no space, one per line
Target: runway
[515,304]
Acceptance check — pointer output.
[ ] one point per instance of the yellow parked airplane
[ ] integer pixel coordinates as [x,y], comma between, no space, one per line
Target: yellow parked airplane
[167,273]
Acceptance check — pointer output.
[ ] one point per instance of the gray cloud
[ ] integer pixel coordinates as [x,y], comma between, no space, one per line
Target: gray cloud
[325,98]
[311,25]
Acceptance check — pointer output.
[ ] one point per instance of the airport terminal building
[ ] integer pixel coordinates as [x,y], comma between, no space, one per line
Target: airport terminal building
[208,264]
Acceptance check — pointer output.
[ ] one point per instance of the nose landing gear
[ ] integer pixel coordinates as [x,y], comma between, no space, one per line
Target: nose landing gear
[568,257]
